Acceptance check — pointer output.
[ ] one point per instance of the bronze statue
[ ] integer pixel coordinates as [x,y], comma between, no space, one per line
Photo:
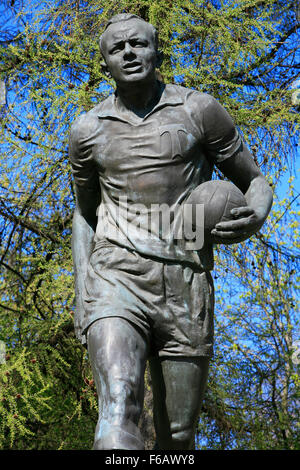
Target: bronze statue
[140,295]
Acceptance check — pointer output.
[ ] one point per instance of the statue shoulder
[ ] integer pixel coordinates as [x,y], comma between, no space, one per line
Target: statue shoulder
[87,123]
[200,99]
[194,98]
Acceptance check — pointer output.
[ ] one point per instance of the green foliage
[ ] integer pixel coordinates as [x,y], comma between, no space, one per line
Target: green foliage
[244,54]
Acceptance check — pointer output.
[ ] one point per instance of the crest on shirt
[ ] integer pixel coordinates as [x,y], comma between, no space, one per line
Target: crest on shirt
[180,140]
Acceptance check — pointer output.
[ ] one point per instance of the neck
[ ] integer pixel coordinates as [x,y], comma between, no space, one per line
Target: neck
[139,98]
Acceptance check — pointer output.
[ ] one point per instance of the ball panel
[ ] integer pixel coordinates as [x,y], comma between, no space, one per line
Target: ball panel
[214,210]
[219,198]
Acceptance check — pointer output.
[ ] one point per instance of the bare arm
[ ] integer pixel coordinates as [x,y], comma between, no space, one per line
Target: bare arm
[243,172]
[83,231]
[87,190]
[226,149]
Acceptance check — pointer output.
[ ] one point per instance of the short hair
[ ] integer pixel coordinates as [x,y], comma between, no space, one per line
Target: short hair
[126,17]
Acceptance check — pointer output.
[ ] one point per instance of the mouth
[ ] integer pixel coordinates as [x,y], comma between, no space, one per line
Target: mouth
[132,67]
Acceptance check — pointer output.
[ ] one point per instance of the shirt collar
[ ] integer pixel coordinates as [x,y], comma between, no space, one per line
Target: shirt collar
[169,97]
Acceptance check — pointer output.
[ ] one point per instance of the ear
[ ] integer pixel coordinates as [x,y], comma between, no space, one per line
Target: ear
[105,69]
[159,58]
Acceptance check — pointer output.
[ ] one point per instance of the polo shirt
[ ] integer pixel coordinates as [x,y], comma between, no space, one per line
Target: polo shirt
[145,168]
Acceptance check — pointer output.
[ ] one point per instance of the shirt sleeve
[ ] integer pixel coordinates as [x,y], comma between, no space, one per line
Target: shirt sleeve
[221,138]
[83,166]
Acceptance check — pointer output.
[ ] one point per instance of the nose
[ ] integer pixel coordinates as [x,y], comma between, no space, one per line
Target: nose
[128,51]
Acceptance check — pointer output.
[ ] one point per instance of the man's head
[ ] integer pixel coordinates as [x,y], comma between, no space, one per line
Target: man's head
[129,48]
[122,17]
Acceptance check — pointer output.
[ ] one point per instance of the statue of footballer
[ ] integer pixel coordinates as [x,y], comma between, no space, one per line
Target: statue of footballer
[142,293]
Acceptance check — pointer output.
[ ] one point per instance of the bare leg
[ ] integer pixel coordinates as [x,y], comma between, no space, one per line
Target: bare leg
[178,388]
[118,354]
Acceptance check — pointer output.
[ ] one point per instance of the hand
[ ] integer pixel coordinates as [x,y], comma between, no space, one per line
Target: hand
[245,222]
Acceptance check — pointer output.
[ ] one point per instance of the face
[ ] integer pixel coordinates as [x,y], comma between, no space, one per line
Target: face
[129,51]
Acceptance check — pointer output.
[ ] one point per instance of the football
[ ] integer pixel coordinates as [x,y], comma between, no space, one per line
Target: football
[219,198]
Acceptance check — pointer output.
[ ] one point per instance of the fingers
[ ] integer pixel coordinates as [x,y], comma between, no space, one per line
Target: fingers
[235,225]
[242,212]
[242,218]
[229,235]
[243,225]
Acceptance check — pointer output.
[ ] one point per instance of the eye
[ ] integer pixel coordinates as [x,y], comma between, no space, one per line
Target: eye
[138,43]
[116,48]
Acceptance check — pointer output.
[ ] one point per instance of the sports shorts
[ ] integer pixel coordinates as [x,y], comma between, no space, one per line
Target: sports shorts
[170,303]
